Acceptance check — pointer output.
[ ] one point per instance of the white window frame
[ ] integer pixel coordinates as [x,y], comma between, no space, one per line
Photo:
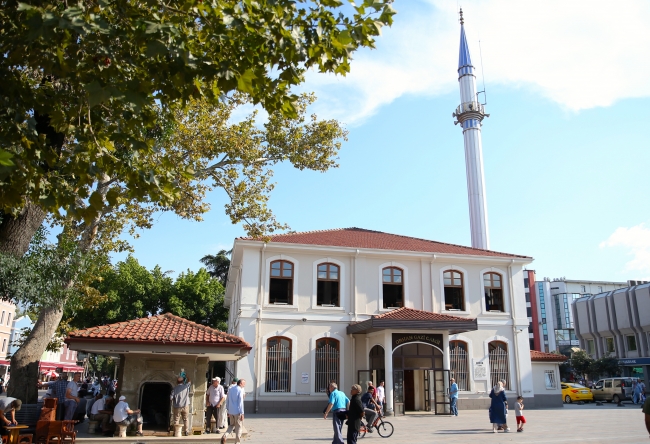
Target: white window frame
[505,288]
[466,282]
[553,379]
[405,285]
[267,282]
[343,285]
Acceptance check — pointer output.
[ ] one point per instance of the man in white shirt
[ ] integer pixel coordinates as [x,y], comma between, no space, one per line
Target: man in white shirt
[381,395]
[97,413]
[123,415]
[72,397]
[214,398]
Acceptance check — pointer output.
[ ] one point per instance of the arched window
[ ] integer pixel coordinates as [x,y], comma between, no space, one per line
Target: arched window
[393,287]
[458,364]
[454,292]
[278,364]
[327,291]
[281,283]
[327,363]
[493,285]
[499,363]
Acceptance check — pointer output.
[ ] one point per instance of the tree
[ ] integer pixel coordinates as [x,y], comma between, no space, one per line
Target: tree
[218,265]
[581,362]
[607,366]
[88,85]
[236,157]
[134,292]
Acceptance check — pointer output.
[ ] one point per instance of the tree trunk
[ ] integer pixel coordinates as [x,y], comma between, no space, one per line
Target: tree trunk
[16,232]
[24,363]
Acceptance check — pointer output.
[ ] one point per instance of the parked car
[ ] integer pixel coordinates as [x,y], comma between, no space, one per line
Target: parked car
[576,392]
[613,389]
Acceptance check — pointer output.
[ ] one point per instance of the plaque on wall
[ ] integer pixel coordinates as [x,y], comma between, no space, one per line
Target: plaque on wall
[480,370]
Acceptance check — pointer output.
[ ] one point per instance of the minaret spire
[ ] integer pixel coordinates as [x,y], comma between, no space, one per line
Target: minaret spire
[470,114]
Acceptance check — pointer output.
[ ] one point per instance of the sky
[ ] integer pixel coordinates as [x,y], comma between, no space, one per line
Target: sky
[565,147]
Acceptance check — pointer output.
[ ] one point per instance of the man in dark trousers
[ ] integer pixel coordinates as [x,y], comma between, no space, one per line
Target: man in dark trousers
[355,413]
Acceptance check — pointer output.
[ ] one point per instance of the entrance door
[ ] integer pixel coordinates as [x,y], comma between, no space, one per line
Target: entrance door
[155,405]
[441,392]
[409,390]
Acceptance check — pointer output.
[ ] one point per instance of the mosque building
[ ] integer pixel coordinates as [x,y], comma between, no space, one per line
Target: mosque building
[354,305]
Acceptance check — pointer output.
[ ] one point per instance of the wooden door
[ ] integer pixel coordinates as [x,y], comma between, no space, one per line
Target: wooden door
[409,389]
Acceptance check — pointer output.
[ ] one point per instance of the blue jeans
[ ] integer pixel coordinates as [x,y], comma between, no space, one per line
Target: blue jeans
[70,407]
[454,407]
[338,425]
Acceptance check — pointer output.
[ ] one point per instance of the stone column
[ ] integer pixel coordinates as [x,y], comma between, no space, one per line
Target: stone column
[388,356]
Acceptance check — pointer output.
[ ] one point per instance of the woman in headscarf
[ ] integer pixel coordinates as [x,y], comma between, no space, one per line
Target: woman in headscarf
[498,409]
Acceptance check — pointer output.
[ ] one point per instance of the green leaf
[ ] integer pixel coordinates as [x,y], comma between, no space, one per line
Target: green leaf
[5,158]
[96,201]
[245,82]
[96,94]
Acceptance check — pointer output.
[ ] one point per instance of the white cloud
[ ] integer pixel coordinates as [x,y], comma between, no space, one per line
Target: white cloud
[636,240]
[580,53]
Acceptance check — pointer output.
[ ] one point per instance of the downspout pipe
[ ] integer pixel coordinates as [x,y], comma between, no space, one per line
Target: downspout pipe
[258,326]
[514,326]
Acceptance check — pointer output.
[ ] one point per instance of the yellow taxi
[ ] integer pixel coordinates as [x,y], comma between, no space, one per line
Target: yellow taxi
[576,392]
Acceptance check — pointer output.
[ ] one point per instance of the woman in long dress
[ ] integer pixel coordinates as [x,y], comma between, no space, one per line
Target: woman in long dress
[498,408]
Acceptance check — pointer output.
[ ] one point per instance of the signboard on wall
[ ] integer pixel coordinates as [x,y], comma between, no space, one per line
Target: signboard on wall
[480,370]
[405,338]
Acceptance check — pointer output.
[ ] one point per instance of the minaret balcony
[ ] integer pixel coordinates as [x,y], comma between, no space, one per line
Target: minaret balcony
[469,110]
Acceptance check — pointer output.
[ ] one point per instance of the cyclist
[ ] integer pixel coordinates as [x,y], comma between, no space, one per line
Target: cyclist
[370,407]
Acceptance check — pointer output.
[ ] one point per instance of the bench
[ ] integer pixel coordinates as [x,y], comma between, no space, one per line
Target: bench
[28,415]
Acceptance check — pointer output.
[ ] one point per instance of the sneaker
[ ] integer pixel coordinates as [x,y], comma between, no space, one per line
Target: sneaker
[507,430]
[187,434]
[207,432]
[494,430]
[139,434]
[519,430]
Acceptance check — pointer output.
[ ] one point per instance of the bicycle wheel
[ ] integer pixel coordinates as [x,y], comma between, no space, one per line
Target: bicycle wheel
[385,429]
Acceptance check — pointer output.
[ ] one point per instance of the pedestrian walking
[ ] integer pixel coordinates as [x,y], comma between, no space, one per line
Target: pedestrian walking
[519,413]
[338,404]
[235,406]
[355,413]
[636,392]
[498,407]
[381,396]
[214,399]
[453,397]
[181,402]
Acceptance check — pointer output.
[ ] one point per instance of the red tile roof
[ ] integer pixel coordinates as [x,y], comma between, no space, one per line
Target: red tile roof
[165,328]
[548,357]
[362,238]
[411,314]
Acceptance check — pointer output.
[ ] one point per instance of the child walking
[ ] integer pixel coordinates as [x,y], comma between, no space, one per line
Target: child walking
[519,407]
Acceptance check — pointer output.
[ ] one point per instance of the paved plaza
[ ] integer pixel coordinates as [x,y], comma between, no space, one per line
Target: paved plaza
[571,424]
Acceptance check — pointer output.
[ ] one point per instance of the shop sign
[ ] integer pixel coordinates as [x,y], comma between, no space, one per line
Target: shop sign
[405,338]
[634,361]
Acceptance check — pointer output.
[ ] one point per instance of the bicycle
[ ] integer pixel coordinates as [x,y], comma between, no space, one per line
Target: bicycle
[384,428]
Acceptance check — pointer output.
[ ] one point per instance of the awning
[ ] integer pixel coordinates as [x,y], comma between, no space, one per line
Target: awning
[412,319]
[65,366]
[4,362]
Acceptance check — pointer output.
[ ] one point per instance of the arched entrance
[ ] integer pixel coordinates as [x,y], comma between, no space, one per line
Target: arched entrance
[419,379]
[156,405]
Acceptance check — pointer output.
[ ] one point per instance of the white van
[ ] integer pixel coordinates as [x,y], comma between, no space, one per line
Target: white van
[613,389]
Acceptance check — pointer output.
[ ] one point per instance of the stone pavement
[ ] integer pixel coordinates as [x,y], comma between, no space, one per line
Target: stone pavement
[572,424]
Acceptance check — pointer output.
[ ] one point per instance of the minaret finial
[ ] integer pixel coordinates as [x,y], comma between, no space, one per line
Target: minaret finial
[462,22]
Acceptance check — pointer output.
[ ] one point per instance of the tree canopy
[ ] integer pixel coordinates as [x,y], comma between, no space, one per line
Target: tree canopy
[218,265]
[88,86]
[132,291]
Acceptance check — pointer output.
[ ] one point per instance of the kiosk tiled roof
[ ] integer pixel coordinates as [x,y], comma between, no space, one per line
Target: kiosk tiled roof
[164,328]
[548,357]
[362,238]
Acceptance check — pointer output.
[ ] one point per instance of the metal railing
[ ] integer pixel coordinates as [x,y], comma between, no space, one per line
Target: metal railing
[458,367]
[327,367]
[278,368]
[499,366]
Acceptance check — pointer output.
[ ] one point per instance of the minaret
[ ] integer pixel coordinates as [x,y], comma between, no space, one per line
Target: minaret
[470,114]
